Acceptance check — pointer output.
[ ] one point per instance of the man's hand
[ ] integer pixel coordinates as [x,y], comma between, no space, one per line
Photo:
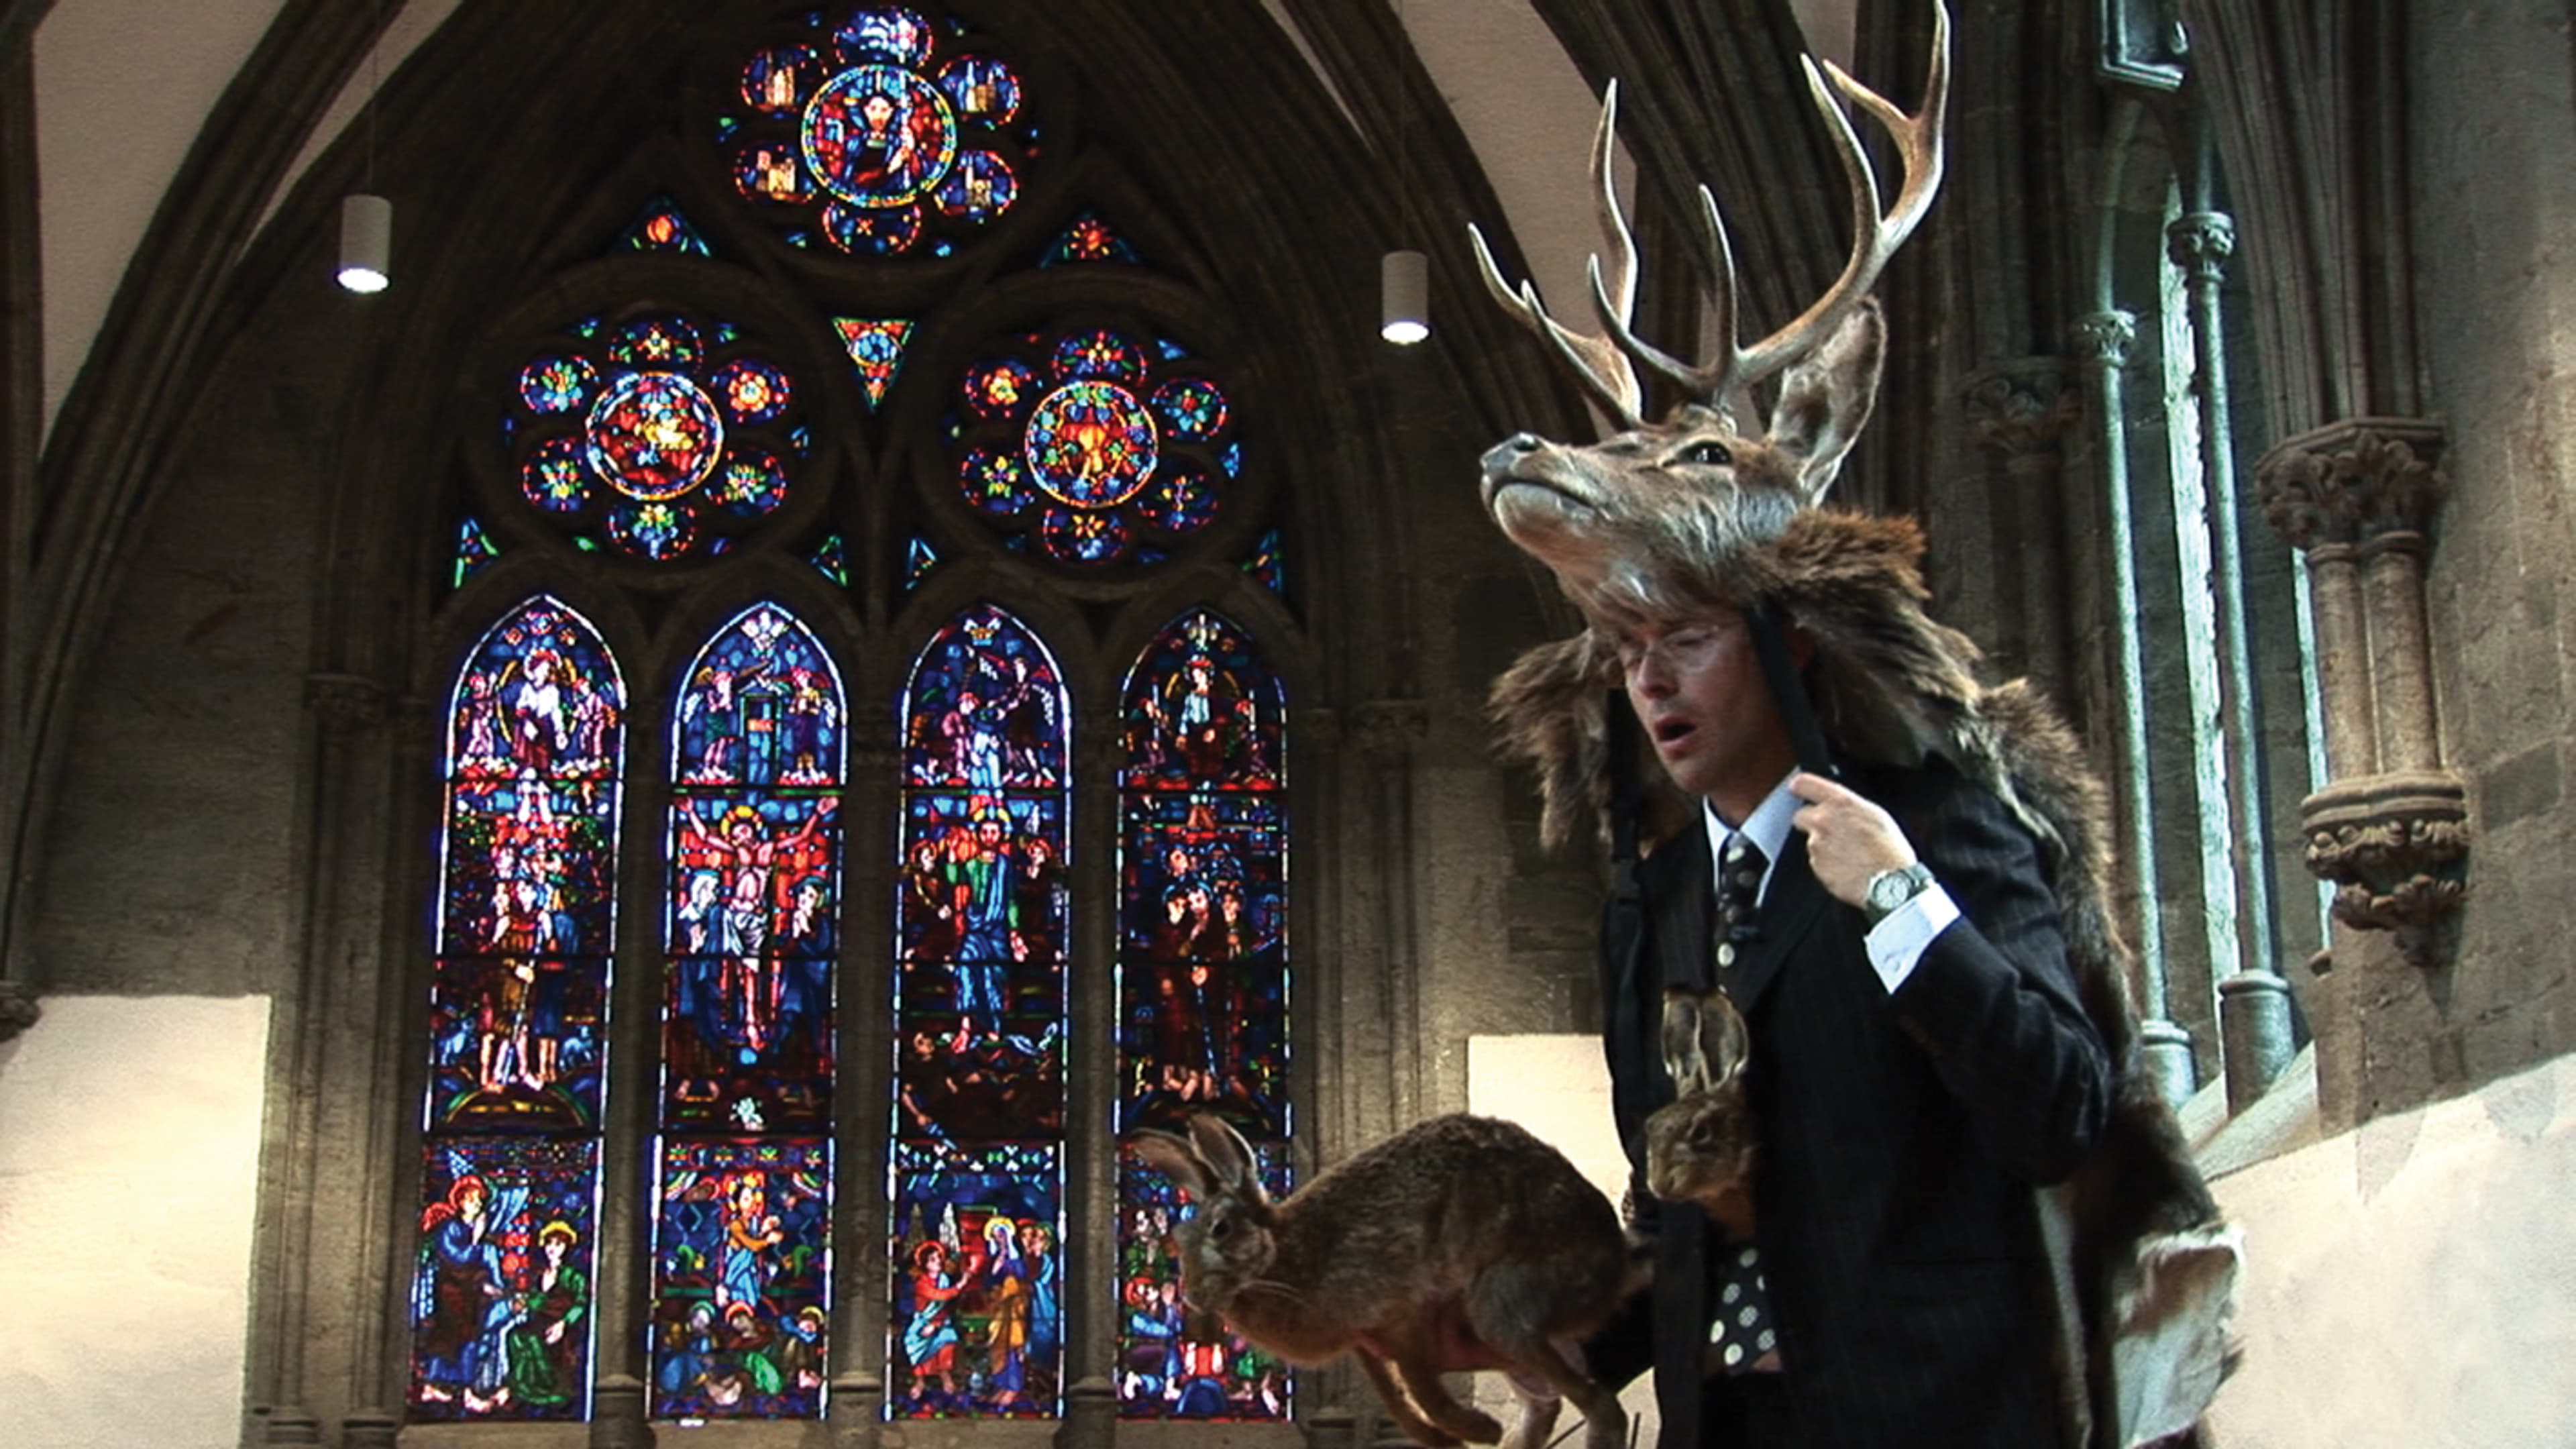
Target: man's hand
[1849,839]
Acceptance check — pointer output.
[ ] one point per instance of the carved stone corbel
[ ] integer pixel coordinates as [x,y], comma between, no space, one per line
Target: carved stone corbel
[2025,410]
[346,704]
[1387,730]
[2392,844]
[2391,830]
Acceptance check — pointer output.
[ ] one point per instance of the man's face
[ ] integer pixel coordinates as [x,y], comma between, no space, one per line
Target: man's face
[1698,690]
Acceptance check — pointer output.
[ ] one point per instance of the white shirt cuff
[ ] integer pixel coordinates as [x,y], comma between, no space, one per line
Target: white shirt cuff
[1897,943]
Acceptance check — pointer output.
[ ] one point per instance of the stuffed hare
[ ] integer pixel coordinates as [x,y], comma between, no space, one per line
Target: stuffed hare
[1699,1146]
[1462,1243]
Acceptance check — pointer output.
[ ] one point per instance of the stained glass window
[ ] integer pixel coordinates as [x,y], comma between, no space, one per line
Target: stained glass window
[660,227]
[875,346]
[1264,565]
[500,1295]
[982,918]
[743,1209]
[877,132]
[1103,444]
[1088,239]
[1202,986]
[664,433]
[474,549]
[831,559]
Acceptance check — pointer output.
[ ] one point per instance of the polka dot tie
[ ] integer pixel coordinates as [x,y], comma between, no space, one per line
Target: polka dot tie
[1742,1333]
[1739,881]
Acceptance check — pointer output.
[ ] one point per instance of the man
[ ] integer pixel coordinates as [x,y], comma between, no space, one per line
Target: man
[1920,1062]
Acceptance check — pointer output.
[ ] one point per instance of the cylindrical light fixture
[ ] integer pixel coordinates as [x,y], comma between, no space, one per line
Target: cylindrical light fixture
[1404,292]
[366,242]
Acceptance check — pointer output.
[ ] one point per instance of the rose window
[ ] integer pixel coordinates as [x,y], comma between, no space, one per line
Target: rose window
[660,436]
[877,133]
[1093,445]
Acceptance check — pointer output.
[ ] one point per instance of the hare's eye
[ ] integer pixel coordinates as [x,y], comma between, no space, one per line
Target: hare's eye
[1218,1228]
[1708,453]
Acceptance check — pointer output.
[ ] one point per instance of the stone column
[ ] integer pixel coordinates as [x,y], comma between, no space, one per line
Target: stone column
[862,1081]
[2021,412]
[1087,1259]
[370,1429]
[2254,1004]
[1090,1415]
[2391,829]
[2101,342]
[857,1407]
[618,1414]
[1387,730]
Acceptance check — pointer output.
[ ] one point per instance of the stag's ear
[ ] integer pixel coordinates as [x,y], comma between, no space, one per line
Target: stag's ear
[1228,1157]
[1173,1158]
[1825,400]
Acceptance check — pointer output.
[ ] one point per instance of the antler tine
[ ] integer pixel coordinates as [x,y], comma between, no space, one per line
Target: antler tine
[1598,362]
[1595,363]
[1712,381]
[1875,237]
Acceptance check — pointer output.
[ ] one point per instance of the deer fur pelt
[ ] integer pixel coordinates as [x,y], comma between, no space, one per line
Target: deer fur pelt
[2151,1265]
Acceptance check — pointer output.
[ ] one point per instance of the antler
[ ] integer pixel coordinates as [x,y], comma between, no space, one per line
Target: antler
[1598,362]
[1721,382]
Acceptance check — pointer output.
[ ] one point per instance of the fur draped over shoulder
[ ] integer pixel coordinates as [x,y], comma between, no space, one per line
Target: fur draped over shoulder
[2149,1269]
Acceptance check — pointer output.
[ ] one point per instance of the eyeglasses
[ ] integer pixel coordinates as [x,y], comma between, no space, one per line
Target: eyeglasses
[1683,650]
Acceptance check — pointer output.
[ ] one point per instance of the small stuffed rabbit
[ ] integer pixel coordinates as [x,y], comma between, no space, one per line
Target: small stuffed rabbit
[1462,1243]
[1699,1147]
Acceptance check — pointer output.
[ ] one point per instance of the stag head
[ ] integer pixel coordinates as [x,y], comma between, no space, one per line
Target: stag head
[1699,484]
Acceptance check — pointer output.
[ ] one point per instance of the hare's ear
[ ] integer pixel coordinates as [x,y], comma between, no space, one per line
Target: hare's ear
[1228,1157]
[1826,399]
[1684,1061]
[1723,1041]
[1173,1158]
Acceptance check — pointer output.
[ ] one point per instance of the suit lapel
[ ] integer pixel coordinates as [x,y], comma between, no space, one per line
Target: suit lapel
[1790,909]
[1677,883]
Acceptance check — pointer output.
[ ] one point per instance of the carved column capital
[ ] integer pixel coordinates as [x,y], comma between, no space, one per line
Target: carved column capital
[1386,730]
[2104,338]
[2200,242]
[2354,480]
[346,704]
[2024,408]
[18,1009]
[2393,845]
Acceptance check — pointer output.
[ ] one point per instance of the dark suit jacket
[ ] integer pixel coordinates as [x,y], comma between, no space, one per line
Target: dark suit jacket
[1900,1136]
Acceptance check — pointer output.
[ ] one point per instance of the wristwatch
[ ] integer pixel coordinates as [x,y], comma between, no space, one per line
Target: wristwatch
[1890,889]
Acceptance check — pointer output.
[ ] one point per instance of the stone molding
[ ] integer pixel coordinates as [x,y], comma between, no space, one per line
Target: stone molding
[1388,729]
[2357,480]
[2025,408]
[346,704]
[2394,846]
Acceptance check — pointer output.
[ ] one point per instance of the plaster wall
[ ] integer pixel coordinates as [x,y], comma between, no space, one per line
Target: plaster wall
[129,1166]
[2413,1282]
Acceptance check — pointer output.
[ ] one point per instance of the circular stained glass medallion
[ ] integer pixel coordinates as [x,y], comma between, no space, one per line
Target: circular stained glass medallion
[1082,535]
[872,231]
[655,436]
[556,475]
[656,531]
[982,89]
[1091,445]
[773,79]
[1001,389]
[888,32]
[994,482]
[879,135]
[751,483]
[656,342]
[1098,352]
[555,384]
[1192,407]
[1183,500]
[752,391]
[982,187]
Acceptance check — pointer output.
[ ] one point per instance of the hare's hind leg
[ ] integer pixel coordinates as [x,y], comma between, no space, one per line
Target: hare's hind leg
[1540,1404]
[1503,1310]
[1400,1405]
